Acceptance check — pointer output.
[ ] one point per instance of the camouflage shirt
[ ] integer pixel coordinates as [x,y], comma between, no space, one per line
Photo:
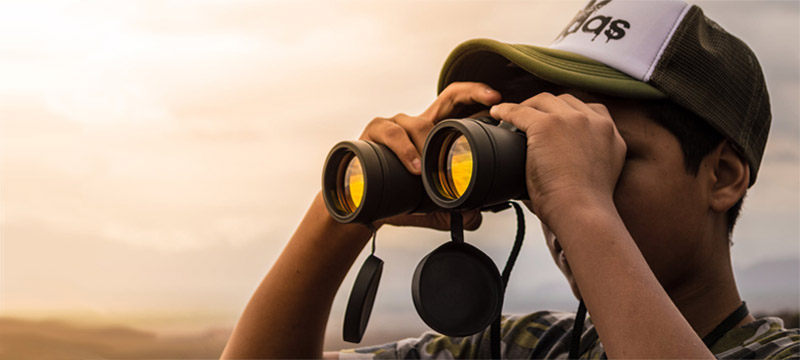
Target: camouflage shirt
[545,335]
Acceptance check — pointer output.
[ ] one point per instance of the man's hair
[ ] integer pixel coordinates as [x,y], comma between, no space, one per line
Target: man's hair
[696,137]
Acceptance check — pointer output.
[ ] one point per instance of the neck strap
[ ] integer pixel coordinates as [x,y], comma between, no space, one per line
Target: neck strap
[726,325]
[494,329]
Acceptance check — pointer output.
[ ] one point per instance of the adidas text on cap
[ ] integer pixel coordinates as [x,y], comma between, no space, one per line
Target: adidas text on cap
[646,50]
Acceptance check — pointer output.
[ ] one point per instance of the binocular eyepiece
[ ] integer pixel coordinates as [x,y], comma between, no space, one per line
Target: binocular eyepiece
[466,164]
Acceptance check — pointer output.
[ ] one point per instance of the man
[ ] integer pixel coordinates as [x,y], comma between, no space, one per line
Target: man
[646,124]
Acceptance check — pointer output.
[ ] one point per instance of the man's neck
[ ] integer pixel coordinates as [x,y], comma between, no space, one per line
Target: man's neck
[710,297]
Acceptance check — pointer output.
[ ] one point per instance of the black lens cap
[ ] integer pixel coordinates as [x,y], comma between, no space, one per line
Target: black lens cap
[457,289]
[359,306]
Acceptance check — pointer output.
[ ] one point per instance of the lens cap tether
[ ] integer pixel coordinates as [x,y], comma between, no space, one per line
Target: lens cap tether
[457,289]
[362,297]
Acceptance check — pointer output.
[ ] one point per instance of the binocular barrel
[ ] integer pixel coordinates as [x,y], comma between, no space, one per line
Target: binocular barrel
[466,164]
[474,163]
[364,181]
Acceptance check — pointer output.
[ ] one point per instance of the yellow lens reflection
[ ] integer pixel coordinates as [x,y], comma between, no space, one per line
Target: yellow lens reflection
[354,182]
[459,165]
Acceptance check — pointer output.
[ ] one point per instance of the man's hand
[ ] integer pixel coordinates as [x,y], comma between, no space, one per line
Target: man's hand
[575,153]
[405,135]
[575,156]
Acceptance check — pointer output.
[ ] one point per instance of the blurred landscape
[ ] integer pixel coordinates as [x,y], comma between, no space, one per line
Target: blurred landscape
[52,339]
[769,289]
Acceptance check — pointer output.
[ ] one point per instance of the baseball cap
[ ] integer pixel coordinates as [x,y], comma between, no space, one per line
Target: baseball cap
[662,49]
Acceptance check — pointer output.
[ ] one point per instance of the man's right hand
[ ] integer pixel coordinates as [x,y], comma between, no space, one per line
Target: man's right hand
[405,135]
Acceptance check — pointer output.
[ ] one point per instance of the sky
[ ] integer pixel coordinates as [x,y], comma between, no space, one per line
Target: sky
[155,157]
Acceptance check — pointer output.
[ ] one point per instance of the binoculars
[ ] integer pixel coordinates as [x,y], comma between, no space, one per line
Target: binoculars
[466,164]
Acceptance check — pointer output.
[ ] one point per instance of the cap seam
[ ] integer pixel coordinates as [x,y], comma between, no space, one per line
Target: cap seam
[665,43]
[586,69]
[746,132]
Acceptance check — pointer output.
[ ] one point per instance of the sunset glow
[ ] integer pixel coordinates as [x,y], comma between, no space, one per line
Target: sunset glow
[156,156]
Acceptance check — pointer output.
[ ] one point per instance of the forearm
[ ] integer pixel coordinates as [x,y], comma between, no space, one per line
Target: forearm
[633,314]
[287,315]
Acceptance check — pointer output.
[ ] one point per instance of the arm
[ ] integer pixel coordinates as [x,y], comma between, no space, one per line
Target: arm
[287,315]
[633,313]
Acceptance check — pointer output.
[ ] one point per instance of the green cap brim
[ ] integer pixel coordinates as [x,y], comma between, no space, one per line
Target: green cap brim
[480,59]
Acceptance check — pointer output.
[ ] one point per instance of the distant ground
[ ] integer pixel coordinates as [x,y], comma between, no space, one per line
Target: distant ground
[28,339]
[791,320]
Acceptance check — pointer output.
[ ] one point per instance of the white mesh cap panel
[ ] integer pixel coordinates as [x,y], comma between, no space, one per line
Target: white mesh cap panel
[629,36]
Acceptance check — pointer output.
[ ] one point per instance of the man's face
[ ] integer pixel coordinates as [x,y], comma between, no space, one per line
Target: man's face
[662,205]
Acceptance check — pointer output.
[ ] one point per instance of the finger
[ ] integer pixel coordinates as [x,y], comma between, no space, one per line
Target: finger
[437,220]
[395,137]
[417,128]
[472,220]
[457,94]
[584,107]
[600,109]
[576,103]
[519,115]
[549,103]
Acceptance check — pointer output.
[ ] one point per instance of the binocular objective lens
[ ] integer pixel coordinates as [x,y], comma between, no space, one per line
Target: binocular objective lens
[354,183]
[459,167]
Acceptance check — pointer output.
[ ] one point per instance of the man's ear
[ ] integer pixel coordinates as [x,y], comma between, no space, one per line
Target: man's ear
[730,175]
